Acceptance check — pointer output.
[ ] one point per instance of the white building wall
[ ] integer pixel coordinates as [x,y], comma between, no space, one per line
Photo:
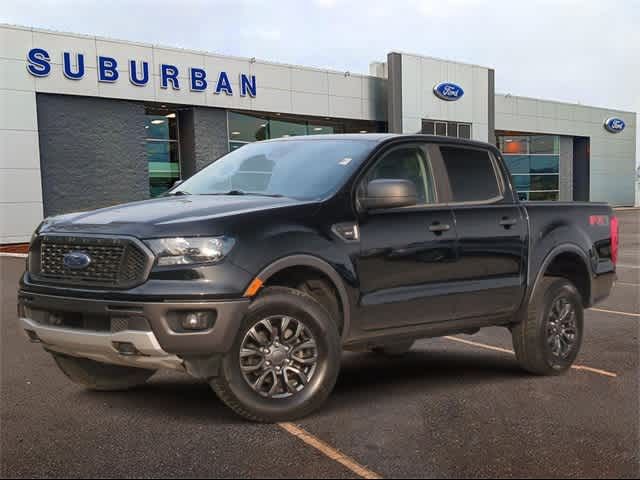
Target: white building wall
[613,156]
[419,76]
[20,182]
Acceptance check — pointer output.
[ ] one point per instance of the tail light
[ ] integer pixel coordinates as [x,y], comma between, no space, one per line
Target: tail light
[615,239]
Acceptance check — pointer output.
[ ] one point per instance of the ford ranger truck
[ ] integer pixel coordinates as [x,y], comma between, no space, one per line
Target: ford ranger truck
[257,272]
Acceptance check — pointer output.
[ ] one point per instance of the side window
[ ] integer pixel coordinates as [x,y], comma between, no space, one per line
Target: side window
[472,175]
[406,163]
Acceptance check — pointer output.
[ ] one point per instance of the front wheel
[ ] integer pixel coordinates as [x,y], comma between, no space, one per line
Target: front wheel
[285,360]
[548,341]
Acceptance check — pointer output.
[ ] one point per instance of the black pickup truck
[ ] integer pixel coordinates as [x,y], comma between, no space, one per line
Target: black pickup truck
[255,273]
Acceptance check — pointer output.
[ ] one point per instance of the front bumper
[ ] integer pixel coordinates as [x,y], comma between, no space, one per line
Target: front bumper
[99,326]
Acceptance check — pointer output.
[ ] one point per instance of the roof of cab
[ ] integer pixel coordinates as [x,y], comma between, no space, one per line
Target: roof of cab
[386,137]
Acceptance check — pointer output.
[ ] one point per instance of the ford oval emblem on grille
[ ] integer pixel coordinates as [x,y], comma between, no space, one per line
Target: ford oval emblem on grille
[76,260]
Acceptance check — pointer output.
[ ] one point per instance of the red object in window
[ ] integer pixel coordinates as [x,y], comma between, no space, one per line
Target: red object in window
[615,239]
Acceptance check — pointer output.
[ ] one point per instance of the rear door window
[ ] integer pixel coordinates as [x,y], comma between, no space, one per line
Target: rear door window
[472,174]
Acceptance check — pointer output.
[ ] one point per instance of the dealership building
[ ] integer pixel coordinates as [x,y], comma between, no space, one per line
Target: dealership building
[87,122]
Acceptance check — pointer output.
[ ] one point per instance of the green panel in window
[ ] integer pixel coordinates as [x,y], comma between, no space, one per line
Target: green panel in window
[284,128]
[320,129]
[545,164]
[247,128]
[544,182]
[521,182]
[518,163]
[543,196]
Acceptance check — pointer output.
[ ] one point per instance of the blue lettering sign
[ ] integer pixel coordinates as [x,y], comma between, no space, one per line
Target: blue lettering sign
[38,65]
[224,84]
[67,67]
[198,82]
[133,73]
[247,85]
[107,69]
[169,73]
[74,68]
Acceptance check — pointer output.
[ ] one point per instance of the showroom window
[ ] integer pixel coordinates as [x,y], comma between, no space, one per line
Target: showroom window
[446,129]
[246,128]
[534,163]
[161,128]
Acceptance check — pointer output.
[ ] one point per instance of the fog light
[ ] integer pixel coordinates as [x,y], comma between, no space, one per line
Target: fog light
[196,320]
[126,348]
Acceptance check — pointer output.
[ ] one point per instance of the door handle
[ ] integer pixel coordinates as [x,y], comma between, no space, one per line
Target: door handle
[507,222]
[438,228]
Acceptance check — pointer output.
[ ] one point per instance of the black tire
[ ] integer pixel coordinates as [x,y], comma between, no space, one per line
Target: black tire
[231,386]
[99,376]
[394,349]
[531,338]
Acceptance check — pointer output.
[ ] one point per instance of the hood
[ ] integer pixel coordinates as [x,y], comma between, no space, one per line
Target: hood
[189,215]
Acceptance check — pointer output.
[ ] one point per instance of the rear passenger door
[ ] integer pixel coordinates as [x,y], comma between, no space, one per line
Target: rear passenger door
[491,229]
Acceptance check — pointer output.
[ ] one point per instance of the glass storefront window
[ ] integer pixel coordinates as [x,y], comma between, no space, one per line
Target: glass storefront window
[161,128]
[534,163]
[284,128]
[246,128]
[446,129]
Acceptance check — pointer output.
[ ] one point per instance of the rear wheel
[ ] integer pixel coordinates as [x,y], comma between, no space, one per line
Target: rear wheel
[101,376]
[285,361]
[548,341]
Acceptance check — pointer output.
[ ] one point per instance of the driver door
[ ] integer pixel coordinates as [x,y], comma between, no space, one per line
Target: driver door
[406,253]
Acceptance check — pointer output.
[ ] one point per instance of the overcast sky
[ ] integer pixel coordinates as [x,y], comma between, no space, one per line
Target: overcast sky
[585,51]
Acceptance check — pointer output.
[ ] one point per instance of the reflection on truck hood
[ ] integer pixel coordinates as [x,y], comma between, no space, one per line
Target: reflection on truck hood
[167,216]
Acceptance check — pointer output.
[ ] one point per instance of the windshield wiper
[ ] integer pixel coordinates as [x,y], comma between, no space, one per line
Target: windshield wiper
[178,193]
[242,192]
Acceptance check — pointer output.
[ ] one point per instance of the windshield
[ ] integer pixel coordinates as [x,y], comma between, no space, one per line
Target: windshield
[302,169]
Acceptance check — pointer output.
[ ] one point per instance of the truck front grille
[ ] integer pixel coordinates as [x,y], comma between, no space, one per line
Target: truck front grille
[114,262]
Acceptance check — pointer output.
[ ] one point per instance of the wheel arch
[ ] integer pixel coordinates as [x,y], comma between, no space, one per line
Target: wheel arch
[322,267]
[555,264]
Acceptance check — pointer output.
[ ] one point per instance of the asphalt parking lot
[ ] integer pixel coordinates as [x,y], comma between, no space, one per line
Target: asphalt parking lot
[453,407]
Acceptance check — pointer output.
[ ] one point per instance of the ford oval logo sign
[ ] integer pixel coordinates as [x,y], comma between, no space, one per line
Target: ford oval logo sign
[76,260]
[448,91]
[614,125]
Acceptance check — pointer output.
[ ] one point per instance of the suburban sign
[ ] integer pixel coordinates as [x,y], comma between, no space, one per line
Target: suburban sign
[448,91]
[615,125]
[108,71]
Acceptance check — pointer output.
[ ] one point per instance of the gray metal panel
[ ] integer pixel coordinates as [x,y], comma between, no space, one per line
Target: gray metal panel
[92,152]
[566,168]
[394,94]
[492,107]
[210,135]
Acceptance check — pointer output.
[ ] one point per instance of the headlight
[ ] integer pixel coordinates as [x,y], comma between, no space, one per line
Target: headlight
[187,251]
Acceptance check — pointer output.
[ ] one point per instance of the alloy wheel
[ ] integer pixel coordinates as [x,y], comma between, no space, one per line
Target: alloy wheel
[278,356]
[562,328]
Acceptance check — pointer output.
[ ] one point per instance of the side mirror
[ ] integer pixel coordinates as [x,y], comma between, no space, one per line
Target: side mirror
[389,193]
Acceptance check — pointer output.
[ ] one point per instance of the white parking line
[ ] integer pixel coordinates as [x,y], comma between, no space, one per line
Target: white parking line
[629,314]
[511,352]
[328,451]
